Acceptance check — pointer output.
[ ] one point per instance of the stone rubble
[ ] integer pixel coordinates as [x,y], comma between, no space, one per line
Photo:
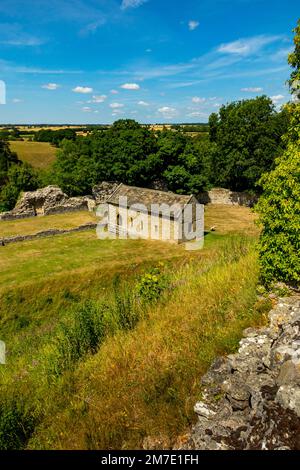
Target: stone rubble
[52,200]
[251,399]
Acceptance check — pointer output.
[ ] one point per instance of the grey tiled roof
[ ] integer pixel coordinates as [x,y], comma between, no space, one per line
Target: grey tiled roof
[148,197]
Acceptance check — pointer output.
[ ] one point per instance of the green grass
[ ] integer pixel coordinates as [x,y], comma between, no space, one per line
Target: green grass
[83,347]
[39,154]
[71,255]
[33,225]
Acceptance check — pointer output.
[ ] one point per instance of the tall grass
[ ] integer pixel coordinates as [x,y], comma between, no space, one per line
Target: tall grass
[128,367]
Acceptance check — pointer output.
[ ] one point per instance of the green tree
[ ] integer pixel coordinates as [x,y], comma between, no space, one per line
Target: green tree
[7,159]
[19,178]
[279,205]
[248,135]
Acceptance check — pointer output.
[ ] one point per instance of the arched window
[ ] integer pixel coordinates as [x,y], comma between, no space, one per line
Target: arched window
[119,220]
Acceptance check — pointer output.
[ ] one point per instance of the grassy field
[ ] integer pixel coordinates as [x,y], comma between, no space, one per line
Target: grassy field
[33,225]
[39,154]
[230,219]
[225,219]
[71,254]
[95,336]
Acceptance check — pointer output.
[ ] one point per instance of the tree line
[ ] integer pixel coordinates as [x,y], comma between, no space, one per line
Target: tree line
[244,139]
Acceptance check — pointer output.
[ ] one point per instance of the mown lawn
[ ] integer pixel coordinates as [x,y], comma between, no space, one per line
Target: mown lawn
[39,154]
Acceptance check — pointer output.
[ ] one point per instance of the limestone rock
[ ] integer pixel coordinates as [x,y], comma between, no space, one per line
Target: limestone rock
[102,191]
[251,399]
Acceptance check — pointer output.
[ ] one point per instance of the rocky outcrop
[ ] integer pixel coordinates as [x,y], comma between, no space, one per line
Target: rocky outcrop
[227,197]
[46,201]
[251,400]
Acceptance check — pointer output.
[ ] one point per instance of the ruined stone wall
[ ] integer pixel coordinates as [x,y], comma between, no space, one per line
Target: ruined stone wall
[46,233]
[227,197]
[251,400]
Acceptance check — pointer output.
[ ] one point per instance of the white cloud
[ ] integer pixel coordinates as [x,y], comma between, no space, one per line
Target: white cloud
[143,103]
[17,100]
[252,89]
[92,27]
[86,109]
[130,86]
[82,89]
[248,46]
[277,98]
[6,66]
[197,114]
[193,25]
[23,42]
[132,3]
[168,112]
[116,105]
[114,92]
[51,86]
[117,112]
[198,100]
[98,99]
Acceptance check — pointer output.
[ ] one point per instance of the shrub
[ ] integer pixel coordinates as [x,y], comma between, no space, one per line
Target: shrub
[151,285]
[279,209]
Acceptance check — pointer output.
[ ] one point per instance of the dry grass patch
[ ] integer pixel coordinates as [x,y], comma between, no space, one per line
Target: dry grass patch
[39,154]
[33,225]
[230,219]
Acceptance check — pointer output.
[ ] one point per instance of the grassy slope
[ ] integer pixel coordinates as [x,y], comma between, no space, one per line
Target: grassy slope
[61,258]
[39,154]
[140,383]
[144,384]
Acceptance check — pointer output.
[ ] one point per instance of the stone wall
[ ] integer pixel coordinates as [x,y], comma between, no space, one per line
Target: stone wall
[52,200]
[251,400]
[102,191]
[227,197]
[46,233]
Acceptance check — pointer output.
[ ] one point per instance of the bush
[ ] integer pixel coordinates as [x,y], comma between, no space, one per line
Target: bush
[279,209]
[151,285]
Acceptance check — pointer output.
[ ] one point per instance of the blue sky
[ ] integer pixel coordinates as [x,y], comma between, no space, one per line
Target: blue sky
[94,61]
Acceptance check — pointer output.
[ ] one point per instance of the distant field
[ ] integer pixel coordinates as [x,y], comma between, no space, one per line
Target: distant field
[39,154]
[32,225]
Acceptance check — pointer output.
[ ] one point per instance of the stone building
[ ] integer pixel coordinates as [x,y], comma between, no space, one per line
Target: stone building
[132,212]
